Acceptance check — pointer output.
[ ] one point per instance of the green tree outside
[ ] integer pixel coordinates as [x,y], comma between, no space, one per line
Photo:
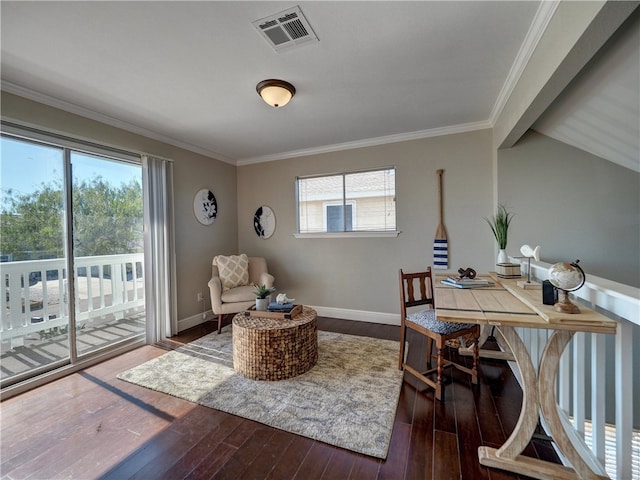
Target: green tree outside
[107,220]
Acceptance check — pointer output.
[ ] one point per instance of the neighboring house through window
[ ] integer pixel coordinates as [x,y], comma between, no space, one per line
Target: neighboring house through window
[347,202]
[339,218]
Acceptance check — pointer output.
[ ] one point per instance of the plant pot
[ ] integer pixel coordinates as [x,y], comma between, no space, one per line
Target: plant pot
[502,256]
[262,304]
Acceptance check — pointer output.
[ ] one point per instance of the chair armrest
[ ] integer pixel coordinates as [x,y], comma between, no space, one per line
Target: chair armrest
[267,279]
[215,287]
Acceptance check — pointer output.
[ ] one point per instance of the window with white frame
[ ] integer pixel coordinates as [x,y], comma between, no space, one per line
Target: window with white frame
[347,202]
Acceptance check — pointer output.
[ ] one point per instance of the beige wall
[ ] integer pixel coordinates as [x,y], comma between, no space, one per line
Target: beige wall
[539,179]
[574,204]
[196,244]
[361,273]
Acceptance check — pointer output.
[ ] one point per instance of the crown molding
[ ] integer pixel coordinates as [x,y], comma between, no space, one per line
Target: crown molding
[543,16]
[369,142]
[106,119]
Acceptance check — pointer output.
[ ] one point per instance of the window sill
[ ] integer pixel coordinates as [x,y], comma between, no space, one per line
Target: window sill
[394,233]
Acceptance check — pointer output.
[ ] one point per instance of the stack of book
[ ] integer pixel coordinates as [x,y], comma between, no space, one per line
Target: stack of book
[280,307]
[466,282]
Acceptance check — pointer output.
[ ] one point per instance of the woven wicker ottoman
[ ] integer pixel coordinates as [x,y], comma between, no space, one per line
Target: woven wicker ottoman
[275,349]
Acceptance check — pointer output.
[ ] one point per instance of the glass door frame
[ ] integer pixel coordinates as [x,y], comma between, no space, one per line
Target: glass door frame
[75,361]
[70,256]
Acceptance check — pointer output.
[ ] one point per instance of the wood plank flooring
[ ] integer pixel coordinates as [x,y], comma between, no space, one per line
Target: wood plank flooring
[91,425]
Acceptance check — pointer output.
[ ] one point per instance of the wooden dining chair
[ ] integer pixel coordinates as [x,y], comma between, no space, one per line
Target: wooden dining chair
[416,289]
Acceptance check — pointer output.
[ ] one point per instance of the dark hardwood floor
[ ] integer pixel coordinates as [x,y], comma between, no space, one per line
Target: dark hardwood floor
[91,425]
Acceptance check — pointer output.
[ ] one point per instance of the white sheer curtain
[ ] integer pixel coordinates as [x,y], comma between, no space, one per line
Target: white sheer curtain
[159,249]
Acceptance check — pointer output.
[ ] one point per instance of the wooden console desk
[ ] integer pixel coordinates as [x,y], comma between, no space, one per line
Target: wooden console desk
[506,306]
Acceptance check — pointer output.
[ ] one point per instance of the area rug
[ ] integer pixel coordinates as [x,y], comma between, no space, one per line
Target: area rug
[348,399]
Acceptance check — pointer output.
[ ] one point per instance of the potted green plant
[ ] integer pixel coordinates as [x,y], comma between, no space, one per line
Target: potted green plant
[499,224]
[262,293]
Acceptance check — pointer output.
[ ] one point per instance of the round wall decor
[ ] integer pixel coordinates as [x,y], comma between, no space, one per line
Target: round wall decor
[264,222]
[205,207]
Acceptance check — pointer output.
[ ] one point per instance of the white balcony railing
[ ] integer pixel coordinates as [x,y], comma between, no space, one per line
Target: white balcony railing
[597,385]
[36,292]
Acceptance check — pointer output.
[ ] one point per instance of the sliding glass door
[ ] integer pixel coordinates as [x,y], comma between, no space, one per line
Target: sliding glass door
[72,256]
[108,254]
[35,307]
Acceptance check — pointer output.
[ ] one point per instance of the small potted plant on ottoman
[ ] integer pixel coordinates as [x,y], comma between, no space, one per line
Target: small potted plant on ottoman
[262,293]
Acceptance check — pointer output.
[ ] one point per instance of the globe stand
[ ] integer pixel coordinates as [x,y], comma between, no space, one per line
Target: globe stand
[566,305]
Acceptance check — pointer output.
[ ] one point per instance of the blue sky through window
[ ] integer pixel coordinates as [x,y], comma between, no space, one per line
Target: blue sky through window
[25,166]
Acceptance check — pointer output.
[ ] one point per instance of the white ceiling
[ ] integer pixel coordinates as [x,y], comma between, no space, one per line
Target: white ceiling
[185,72]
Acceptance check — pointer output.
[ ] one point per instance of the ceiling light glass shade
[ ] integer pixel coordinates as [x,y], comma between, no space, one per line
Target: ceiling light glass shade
[276,93]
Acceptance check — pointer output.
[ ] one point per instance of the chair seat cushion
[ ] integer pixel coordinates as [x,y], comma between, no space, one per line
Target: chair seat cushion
[427,319]
[238,294]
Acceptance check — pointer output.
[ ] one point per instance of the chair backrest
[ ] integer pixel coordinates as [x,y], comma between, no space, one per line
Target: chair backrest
[412,297]
[257,266]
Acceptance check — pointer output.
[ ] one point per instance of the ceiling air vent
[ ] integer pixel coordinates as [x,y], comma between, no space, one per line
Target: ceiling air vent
[286,30]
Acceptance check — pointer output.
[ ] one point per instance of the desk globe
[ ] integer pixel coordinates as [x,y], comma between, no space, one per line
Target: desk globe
[567,277]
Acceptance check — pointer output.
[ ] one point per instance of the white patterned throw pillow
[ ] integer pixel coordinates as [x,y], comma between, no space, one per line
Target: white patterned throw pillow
[233,269]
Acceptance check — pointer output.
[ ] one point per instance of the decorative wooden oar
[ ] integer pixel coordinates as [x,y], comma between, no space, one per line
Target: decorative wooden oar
[440,245]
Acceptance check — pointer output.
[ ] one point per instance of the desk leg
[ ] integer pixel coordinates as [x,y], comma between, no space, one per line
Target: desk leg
[538,395]
[528,420]
[547,374]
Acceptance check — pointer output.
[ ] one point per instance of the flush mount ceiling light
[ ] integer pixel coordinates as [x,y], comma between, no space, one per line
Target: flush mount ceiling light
[276,93]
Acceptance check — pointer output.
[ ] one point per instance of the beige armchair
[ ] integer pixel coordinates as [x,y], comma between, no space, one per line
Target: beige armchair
[236,295]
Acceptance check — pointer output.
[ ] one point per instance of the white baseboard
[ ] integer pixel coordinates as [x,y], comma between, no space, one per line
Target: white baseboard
[358,315]
[331,312]
[194,320]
